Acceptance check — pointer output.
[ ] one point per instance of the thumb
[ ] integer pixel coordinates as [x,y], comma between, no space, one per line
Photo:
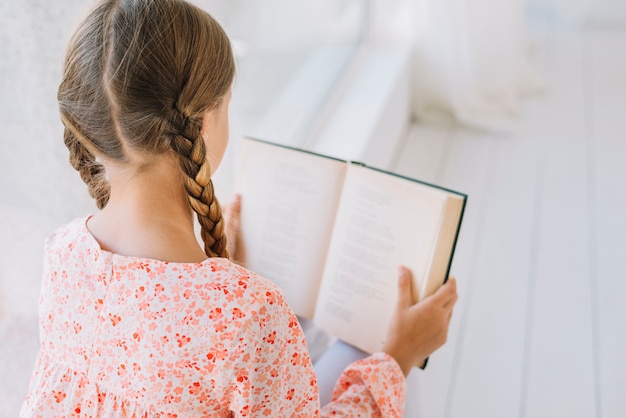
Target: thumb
[405,288]
[233,212]
[235,204]
[231,229]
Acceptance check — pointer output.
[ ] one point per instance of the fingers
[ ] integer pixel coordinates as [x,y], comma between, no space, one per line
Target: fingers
[235,206]
[232,214]
[446,294]
[405,288]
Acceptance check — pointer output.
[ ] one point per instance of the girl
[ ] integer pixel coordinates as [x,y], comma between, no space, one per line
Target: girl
[136,319]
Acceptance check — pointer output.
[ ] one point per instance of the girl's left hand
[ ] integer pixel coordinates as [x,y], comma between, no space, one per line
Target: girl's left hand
[234,239]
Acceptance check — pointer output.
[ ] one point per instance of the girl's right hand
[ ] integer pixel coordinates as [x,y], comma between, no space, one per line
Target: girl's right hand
[418,329]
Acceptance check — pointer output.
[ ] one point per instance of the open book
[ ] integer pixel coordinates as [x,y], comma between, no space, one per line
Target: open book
[332,234]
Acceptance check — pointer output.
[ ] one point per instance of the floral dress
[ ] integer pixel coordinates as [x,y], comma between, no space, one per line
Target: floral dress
[134,337]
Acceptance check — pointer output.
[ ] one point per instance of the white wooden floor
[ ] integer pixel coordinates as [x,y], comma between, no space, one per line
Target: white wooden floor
[540,328]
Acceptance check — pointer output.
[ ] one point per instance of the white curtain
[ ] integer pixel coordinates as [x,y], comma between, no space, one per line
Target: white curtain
[471,57]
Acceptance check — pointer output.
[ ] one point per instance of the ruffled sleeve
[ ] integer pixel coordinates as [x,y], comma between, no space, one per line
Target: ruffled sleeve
[278,379]
[372,387]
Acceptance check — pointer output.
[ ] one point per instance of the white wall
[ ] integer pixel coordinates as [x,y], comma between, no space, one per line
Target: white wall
[33,158]
[595,12]
[611,12]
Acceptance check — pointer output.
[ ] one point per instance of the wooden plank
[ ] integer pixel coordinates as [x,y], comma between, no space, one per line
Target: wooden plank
[423,154]
[469,167]
[560,375]
[481,384]
[468,162]
[444,156]
[487,375]
[607,205]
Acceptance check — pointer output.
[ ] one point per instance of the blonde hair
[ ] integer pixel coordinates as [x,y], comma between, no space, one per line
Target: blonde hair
[140,75]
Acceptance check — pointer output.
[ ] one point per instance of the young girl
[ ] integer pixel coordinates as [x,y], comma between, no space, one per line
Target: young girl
[136,319]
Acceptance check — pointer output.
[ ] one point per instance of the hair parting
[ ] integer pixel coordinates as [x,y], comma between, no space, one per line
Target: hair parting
[140,75]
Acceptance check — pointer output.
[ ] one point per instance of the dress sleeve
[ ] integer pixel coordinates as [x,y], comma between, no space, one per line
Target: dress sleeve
[372,387]
[279,379]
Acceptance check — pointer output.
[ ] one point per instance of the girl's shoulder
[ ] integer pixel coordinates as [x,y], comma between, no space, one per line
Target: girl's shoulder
[199,281]
[68,232]
[71,237]
[232,282]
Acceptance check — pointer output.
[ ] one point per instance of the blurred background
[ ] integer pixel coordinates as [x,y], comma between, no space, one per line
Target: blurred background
[521,104]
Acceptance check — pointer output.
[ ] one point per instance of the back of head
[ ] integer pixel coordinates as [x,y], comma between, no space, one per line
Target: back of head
[139,76]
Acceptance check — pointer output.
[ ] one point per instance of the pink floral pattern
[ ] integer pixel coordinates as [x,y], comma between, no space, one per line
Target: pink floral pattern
[132,337]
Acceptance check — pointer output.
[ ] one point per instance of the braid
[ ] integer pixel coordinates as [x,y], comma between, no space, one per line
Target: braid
[189,146]
[92,172]
[138,75]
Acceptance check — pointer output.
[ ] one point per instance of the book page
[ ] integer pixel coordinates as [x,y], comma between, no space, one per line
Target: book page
[443,250]
[382,222]
[288,203]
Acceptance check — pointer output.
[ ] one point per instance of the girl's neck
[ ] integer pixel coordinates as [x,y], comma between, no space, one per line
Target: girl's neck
[148,215]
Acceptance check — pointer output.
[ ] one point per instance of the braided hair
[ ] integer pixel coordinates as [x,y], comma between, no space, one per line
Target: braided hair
[140,75]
